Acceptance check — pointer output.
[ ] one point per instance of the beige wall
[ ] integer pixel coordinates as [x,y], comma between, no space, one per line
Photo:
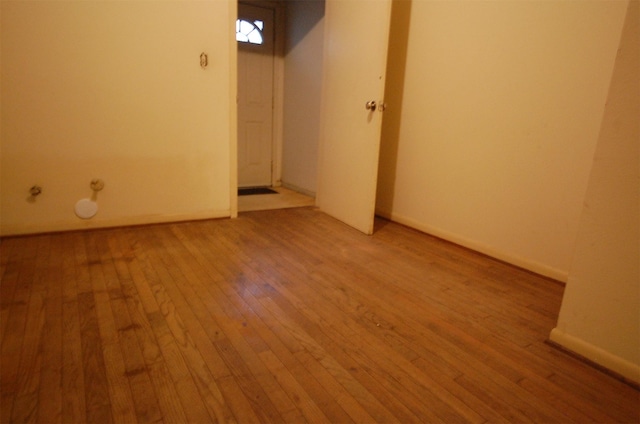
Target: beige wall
[600,314]
[490,141]
[302,91]
[114,90]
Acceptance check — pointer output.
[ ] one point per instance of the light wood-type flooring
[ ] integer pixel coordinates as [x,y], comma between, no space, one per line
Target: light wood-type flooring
[284,316]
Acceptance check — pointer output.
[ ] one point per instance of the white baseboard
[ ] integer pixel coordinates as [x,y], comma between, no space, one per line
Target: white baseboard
[532,266]
[78,224]
[299,189]
[599,356]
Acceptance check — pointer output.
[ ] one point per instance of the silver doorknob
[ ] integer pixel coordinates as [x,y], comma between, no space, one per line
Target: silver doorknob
[371,105]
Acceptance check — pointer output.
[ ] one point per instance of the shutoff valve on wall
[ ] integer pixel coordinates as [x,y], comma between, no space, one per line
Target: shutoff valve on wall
[35,190]
[97,184]
[87,208]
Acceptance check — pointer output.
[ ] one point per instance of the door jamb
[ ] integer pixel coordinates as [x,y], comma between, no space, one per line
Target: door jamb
[278,8]
[278,93]
[233,110]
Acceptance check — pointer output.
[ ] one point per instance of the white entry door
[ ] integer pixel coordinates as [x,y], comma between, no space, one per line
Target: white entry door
[355,60]
[255,35]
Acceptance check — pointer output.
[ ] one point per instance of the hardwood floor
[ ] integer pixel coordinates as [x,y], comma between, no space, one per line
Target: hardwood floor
[283,316]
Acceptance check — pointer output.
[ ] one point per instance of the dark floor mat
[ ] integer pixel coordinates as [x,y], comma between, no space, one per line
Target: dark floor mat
[255,190]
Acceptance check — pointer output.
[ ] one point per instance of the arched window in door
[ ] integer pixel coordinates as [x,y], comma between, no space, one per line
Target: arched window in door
[249,32]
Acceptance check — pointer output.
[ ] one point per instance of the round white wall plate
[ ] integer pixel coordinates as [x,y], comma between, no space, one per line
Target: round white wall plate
[86,208]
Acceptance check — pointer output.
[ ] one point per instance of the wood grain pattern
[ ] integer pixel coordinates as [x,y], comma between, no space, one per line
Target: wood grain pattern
[283,316]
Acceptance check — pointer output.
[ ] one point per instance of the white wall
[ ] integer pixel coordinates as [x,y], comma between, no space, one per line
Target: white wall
[600,314]
[500,111]
[302,93]
[114,90]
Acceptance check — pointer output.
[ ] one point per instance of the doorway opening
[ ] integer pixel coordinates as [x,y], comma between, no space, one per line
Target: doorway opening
[280,50]
[255,36]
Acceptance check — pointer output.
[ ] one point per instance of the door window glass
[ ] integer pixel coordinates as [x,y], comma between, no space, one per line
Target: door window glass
[249,32]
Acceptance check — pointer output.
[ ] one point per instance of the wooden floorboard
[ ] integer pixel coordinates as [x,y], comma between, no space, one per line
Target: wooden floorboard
[283,316]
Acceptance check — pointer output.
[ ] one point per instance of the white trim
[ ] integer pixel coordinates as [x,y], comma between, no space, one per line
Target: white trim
[527,264]
[278,94]
[233,111]
[15,230]
[278,8]
[598,355]
[299,189]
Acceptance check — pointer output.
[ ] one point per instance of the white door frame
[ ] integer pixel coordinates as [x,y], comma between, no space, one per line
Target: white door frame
[233,110]
[278,98]
[278,86]
[278,92]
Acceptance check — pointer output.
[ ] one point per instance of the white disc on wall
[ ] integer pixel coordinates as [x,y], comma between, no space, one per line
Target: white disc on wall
[86,208]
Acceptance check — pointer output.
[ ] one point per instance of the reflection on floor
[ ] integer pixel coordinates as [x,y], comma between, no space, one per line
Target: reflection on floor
[284,199]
